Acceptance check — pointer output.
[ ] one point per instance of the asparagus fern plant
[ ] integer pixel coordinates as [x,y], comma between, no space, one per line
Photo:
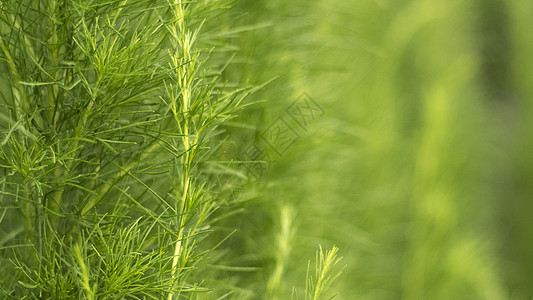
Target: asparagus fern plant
[113,150]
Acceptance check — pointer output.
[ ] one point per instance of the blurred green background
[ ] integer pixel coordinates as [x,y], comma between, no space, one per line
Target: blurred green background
[420,170]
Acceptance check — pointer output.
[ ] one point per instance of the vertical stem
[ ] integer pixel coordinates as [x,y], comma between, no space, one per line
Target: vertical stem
[182,60]
[283,249]
[20,101]
[27,212]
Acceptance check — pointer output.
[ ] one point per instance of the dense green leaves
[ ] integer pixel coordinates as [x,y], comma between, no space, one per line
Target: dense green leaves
[161,149]
[107,112]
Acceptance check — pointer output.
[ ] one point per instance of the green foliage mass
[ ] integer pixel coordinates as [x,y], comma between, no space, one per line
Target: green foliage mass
[224,149]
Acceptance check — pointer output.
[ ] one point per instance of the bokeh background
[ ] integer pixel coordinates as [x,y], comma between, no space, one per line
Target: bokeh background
[420,169]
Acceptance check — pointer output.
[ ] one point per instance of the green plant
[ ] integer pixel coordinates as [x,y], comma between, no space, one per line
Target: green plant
[110,119]
[133,136]
[325,262]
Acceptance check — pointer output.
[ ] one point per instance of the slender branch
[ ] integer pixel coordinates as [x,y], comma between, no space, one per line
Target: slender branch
[181,59]
[18,91]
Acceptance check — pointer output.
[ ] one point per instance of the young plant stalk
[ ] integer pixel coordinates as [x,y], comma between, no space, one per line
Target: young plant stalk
[324,275]
[284,241]
[183,62]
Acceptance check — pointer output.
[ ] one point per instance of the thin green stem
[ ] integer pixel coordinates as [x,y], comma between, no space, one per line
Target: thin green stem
[18,91]
[182,60]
